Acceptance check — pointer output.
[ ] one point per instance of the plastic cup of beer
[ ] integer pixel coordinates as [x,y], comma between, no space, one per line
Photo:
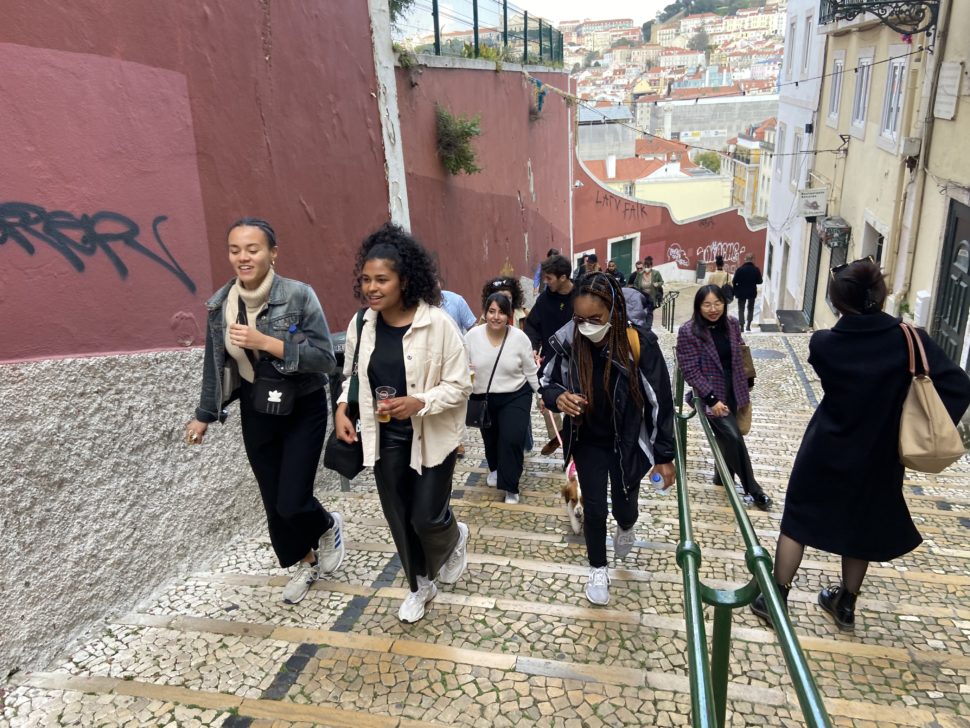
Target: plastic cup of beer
[383,394]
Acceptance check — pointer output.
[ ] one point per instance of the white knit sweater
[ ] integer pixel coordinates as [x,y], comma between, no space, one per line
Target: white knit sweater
[515,367]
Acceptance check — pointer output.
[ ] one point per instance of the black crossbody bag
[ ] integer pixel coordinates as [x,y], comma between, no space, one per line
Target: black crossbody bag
[477,413]
[273,393]
[347,458]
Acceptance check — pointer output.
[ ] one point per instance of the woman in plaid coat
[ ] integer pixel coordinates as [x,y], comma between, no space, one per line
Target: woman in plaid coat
[709,355]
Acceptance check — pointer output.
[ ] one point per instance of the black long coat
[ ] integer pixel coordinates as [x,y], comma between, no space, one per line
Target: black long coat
[845,494]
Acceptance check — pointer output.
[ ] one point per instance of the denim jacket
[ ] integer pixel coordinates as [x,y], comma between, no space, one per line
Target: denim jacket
[293,314]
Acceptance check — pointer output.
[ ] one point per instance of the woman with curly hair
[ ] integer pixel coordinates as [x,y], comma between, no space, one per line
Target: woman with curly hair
[512,289]
[409,346]
[612,381]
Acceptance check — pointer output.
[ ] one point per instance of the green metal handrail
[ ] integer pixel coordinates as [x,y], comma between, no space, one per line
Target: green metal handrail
[709,681]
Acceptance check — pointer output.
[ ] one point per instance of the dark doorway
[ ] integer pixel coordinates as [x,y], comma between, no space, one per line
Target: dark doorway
[953,298]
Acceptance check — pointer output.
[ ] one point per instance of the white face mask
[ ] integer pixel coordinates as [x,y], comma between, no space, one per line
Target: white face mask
[594,332]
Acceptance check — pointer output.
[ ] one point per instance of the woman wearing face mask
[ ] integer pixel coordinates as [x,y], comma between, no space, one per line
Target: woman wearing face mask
[409,344]
[709,355]
[507,351]
[621,415]
[256,320]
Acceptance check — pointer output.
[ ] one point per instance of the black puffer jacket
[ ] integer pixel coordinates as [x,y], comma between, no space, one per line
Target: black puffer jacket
[642,438]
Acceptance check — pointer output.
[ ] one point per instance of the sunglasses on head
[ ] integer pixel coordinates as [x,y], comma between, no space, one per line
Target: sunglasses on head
[505,282]
[839,268]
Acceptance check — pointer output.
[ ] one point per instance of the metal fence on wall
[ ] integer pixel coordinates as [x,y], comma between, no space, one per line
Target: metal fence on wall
[490,29]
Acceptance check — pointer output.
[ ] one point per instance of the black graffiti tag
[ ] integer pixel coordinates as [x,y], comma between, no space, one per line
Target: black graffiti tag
[72,236]
[628,208]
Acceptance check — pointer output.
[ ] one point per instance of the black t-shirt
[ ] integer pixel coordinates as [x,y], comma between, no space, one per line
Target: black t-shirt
[386,368]
[597,424]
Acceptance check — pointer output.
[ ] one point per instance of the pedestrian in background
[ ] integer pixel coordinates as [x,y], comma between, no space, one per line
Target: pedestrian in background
[411,346]
[652,284]
[621,416]
[720,277]
[537,285]
[709,355]
[552,310]
[457,307]
[747,278]
[636,278]
[506,369]
[637,305]
[262,324]
[615,272]
[845,492]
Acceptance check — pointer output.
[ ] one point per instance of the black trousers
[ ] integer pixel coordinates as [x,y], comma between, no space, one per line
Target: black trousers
[417,509]
[741,307]
[731,442]
[503,440]
[284,452]
[594,464]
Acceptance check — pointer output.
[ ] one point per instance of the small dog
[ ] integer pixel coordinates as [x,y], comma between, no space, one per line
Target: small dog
[572,495]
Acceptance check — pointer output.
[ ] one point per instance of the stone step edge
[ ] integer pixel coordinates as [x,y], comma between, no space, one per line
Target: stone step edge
[604,674]
[617,616]
[257,709]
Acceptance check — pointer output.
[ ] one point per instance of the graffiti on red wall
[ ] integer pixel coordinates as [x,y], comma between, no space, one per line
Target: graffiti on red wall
[629,209]
[678,255]
[731,252]
[72,237]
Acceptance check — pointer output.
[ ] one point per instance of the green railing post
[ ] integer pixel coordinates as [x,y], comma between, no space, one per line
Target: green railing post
[505,23]
[721,660]
[475,24]
[525,37]
[540,40]
[437,27]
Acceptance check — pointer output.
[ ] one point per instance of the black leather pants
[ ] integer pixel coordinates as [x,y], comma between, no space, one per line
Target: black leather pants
[417,509]
[731,442]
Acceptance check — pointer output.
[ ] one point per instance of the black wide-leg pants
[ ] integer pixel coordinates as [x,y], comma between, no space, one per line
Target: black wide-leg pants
[509,413]
[417,509]
[284,452]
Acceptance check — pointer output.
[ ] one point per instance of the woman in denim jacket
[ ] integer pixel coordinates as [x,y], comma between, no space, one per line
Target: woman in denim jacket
[262,316]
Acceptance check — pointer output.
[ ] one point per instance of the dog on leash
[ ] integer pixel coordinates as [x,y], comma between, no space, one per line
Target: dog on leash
[572,495]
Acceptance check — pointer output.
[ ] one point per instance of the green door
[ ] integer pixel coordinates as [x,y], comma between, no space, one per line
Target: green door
[622,253]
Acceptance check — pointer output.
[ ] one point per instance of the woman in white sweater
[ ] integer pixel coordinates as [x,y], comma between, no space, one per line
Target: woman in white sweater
[505,374]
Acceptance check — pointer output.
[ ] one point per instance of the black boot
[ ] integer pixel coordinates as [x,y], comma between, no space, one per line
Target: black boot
[760,607]
[840,603]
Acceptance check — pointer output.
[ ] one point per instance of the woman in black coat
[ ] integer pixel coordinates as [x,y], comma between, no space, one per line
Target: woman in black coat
[845,493]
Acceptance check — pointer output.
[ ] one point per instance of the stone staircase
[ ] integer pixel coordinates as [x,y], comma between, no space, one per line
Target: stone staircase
[515,642]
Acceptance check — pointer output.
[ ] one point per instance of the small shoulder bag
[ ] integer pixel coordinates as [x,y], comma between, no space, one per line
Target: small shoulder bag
[347,458]
[273,393]
[477,413]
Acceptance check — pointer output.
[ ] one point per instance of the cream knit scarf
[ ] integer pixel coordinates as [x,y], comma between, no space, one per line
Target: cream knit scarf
[255,301]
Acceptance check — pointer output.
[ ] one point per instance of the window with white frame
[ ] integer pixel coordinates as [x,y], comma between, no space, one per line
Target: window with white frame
[835,88]
[795,161]
[860,99]
[790,47]
[780,150]
[893,101]
[807,44]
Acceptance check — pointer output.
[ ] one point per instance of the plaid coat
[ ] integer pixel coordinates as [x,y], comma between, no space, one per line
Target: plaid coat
[698,360]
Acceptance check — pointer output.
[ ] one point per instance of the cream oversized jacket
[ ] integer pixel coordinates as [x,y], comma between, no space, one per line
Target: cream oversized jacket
[436,367]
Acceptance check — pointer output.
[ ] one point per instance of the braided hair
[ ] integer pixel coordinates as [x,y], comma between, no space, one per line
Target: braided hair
[607,289]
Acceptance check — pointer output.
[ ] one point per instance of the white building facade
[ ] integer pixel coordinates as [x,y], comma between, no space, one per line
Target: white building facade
[789,235]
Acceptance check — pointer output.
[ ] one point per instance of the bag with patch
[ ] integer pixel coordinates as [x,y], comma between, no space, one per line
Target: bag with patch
[273,392]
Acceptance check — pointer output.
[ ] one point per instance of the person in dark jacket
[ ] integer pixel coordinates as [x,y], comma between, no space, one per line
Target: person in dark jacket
[552,310]
[709,355]
[747,278]
[621,416]
[615,272]
[845,493]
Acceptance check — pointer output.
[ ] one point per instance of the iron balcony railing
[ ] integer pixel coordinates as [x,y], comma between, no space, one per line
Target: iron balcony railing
[709,676]
[492,29]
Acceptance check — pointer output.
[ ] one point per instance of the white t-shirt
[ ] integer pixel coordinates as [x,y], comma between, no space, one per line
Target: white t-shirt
[516,367]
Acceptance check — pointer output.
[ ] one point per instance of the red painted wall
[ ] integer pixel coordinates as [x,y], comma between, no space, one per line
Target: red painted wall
[478,222]
[601,214]
[119,114]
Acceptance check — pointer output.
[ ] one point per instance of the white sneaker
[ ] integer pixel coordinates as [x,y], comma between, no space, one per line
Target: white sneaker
[492,478]
[331,551]
[412,609]
[623,541]
[298,586]
[511,499]
[454,567]
[598,586]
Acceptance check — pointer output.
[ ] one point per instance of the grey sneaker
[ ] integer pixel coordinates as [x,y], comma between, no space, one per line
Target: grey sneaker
[492,479]
[415,602]
[598,586]
[300,583]
[331,551]
[454,567]
[511,499]
[623,541]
